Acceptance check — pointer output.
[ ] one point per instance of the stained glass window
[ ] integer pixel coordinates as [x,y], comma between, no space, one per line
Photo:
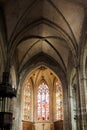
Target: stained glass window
[59,101]
[27,101]
[43,102]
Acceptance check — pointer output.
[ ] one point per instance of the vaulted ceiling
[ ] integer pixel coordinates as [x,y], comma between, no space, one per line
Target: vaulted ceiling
[42,74]
[49,27]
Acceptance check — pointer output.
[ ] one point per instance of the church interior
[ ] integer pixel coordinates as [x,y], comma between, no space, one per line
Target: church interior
[43,64]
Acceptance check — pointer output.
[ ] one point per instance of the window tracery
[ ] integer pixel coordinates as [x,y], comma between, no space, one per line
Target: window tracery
[27,101]
[59,101]
[43,102]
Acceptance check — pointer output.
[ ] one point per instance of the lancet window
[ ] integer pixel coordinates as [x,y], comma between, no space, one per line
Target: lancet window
[59,101]
[27,101]
[43,102]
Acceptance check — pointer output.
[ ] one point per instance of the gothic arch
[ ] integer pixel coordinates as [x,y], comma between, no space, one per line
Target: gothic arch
[58,72]
[52,91]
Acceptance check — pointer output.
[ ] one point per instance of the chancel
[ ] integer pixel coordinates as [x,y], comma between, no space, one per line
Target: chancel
[43,64]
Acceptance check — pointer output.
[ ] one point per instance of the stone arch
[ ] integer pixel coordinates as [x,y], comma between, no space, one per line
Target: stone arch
[43,59]
[29,73]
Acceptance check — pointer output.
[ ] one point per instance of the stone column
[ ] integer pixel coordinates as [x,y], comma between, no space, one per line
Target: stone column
[79,116]
[84,101]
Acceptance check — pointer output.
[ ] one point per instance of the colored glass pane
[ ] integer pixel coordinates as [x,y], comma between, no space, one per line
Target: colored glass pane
[43,102]
[27,101]
[59,101]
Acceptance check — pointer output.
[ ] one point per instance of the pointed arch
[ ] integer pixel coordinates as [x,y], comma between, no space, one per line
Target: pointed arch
[58,100]
[43,101]
[27,100]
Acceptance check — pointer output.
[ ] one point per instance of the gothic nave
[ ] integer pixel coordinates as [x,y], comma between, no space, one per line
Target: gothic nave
[43,64]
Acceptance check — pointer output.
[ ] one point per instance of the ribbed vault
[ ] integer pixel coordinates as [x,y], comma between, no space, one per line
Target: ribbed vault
[50,27]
